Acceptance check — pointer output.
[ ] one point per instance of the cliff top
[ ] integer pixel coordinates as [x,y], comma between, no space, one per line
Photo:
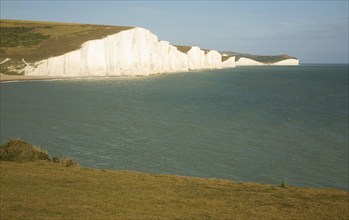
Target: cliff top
[62,189]
[268,59]
[37,40]
[34,40]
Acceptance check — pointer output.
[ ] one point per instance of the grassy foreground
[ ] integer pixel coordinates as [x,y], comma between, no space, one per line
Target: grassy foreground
[43,189]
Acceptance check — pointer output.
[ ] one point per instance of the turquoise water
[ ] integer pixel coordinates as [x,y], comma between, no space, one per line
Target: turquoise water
[256,124]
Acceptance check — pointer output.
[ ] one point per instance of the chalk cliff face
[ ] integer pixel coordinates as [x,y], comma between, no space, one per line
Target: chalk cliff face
[248,62]
[132,52]
[230,62]
[288,62]
[196,58]
[135,52]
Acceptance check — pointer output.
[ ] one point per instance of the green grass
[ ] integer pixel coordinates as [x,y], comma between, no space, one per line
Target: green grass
[34,41]
[20,37]
[45,190]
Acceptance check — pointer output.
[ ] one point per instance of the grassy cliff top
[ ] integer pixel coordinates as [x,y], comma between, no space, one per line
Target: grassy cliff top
[268,59]
[183,49]
[43,189]
[35,40]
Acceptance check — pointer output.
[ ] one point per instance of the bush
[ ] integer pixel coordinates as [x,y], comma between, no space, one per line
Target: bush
[67,162]
[55,160]
[19,150]
[283,183]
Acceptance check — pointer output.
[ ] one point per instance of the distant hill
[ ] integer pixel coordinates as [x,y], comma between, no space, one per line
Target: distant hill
[268,59]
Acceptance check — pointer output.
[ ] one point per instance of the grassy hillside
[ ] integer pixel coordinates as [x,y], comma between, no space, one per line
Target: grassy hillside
[260,58]
[43,189]
[34,41]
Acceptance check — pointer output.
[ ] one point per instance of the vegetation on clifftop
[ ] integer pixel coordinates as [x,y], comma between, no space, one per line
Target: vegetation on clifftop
[42,189]
[34,41]
[21,37]
[260,58]
[183,49]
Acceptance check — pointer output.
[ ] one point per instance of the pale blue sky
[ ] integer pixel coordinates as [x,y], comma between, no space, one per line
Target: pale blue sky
[314,31]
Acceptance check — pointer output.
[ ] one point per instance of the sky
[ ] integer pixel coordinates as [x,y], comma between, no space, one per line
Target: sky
[313,31]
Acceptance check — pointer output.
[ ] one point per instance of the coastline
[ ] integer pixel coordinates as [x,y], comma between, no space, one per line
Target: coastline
[16,78]
[22,78]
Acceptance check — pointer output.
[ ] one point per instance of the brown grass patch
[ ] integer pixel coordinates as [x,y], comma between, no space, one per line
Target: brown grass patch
[183,49]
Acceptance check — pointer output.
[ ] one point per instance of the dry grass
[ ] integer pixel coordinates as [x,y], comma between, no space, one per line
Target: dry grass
[47,190]
[183,49]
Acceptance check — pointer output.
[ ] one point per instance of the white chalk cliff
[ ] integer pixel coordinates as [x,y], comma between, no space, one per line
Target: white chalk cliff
[132,52]
[288,62]
[249,62]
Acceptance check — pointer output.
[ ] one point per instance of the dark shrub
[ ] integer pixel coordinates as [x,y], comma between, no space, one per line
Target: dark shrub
[67,162]
[55,159]
[19,150]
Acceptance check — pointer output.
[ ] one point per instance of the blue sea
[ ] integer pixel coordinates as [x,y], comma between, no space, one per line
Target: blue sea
[250,124]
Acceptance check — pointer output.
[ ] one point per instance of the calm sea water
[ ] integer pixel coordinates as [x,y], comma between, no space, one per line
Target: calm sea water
[255,124]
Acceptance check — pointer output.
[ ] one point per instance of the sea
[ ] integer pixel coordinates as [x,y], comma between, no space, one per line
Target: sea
[246,124]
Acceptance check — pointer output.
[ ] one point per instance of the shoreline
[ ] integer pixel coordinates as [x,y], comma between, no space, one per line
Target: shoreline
[4,78]
[23,78]
[19,78]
